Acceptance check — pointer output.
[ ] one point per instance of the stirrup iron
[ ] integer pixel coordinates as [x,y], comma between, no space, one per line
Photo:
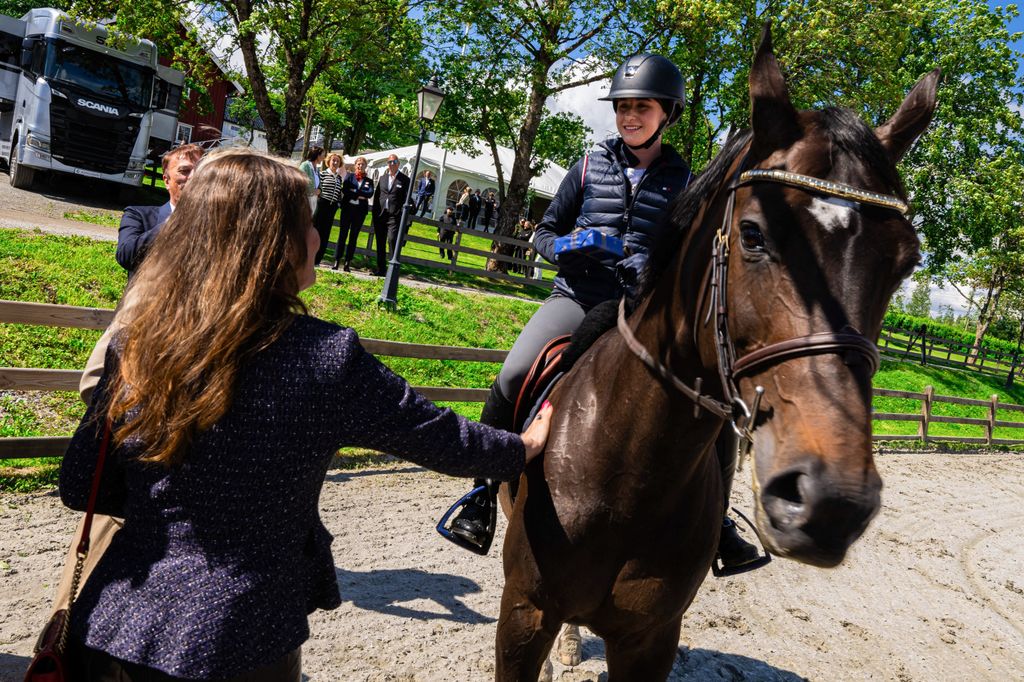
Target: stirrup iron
[446,532]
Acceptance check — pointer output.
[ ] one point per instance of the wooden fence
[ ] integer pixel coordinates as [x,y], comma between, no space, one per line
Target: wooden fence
[908,344]
[31,379]
[532,265]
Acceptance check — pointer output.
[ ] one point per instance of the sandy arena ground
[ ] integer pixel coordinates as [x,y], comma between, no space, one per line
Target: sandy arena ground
[934,591]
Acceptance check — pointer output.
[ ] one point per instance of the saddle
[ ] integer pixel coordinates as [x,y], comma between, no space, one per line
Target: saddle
[543,374]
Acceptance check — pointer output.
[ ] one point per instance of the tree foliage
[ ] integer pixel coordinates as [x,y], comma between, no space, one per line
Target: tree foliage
[286,45]
[503,66]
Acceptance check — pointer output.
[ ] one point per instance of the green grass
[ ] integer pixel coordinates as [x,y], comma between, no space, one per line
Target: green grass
[911,376]
[107,219]
[441,277]
[77,271]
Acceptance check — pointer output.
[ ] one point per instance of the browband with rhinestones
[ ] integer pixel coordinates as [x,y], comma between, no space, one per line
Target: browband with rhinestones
[834,189]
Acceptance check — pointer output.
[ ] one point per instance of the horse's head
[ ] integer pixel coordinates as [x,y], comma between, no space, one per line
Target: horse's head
[810,270]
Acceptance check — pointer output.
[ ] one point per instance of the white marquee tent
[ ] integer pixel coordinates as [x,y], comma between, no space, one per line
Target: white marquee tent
[453,170]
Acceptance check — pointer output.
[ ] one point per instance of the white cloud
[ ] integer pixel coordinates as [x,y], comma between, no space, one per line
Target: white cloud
[583,101]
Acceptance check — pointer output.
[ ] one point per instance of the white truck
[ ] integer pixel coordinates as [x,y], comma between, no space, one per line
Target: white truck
[72,104]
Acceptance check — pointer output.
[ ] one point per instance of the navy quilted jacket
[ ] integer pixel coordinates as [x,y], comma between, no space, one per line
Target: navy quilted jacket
[596,194]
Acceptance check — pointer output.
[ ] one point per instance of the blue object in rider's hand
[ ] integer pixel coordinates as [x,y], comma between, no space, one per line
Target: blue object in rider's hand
[589,242]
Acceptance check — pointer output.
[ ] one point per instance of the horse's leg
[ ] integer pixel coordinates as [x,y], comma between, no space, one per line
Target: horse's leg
[569,648]
[647,655]
[524,639]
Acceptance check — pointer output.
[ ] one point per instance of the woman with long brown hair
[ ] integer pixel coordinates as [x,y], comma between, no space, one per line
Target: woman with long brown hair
[214,391]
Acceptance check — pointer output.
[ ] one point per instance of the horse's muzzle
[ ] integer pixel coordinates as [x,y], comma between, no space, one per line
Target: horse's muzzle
[808,515]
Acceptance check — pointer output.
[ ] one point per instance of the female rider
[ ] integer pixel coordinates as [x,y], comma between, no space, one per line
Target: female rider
[622,189]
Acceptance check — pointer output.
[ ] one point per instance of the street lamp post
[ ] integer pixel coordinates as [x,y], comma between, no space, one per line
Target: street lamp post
[429,99]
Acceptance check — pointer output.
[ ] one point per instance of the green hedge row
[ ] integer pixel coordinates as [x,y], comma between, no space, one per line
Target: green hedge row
[945,331]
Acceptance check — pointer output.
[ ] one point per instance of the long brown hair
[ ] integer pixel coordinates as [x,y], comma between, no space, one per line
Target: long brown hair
[218,285]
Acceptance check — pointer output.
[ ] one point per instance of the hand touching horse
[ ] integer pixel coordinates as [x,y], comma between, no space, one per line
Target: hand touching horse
[789,248]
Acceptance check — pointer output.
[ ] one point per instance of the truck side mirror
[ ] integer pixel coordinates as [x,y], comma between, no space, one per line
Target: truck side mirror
[26,53]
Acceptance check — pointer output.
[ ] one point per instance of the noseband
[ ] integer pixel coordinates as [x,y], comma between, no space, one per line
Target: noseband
[848,341]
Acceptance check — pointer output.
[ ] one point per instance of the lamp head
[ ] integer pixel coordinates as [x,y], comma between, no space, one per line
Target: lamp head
[429,99]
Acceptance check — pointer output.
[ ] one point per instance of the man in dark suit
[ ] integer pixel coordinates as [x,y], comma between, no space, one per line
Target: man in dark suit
[424,193]
[388,196]
[141,224]
[475,202]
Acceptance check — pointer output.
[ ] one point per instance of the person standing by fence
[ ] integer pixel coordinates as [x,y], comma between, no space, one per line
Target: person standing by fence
[475,203]
[424,193]
[219,447]
[327,203]
[446,235]
[357,189]
[391,191]
[489,206]
[310,167]
[462,206]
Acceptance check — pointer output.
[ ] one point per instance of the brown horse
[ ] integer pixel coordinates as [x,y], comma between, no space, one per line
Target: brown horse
[790,246]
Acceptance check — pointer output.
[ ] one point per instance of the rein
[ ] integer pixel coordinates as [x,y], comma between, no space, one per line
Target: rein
[848,341]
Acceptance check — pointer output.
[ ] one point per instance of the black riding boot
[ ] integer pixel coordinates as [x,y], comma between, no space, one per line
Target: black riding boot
[473,523]
[733,551]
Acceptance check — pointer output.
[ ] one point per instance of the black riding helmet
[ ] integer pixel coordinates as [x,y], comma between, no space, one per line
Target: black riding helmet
[650,76]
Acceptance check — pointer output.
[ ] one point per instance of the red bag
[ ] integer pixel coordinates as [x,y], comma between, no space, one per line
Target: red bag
[49,662]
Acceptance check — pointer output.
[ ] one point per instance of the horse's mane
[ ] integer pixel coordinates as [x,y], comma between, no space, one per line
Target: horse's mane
[842,127]
[683,211]
[847,131]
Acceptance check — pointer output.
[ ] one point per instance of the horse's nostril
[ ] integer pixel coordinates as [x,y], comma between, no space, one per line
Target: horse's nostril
[784,499]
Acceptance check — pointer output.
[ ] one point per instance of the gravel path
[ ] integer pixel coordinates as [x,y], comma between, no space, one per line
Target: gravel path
[934,591]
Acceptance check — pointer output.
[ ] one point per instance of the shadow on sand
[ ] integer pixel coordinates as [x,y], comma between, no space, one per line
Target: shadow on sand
[434,596]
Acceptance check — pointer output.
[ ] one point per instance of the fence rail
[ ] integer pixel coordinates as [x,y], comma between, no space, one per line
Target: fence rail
[33,379]
[533,266]
[903,344]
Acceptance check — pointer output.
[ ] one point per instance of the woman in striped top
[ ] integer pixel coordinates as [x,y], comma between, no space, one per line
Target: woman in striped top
[327,203]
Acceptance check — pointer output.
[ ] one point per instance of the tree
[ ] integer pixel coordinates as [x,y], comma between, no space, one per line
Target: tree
[920,300]
[286,45]
[539,46]
[987,206]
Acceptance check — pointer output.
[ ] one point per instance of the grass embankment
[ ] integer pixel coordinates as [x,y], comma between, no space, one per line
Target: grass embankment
[911,376]
[81,272]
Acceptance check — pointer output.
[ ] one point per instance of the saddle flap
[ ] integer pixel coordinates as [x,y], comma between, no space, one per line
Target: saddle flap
[545,369]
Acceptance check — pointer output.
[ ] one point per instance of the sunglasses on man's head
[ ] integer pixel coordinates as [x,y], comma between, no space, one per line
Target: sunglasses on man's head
[392,162]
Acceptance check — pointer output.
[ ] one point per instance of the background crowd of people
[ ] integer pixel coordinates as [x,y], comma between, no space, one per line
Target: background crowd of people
[348,194]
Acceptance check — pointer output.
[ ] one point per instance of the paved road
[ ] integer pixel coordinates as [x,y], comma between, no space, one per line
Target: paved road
[43,207]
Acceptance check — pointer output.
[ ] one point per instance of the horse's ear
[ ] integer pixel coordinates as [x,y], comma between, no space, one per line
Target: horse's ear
[772,116]
[899,132]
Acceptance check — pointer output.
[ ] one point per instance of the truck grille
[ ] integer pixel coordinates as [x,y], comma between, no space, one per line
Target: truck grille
[82,140]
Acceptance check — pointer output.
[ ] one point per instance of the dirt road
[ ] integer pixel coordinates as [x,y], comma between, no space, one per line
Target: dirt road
[934,591]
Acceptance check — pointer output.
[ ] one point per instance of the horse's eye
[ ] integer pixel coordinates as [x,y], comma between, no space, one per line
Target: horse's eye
[751,237]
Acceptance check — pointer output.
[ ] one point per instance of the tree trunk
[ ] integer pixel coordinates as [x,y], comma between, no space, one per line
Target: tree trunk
[308,129]
[696,107]
[519,183]
[1016,353]
[986,313]
[355,135]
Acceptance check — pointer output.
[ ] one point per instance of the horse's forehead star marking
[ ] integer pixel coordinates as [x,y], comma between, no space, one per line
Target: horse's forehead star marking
[832,213]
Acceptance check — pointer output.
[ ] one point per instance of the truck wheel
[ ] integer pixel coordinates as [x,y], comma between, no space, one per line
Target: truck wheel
[21,177]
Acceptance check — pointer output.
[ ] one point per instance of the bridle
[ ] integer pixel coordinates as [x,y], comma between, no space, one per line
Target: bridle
[848,341]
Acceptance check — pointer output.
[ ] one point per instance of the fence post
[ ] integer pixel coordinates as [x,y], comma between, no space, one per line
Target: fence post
[926,413]
[990,428]
[458,243]
[924,345]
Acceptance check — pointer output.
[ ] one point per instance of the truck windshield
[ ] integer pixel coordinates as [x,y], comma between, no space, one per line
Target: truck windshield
[99,73]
